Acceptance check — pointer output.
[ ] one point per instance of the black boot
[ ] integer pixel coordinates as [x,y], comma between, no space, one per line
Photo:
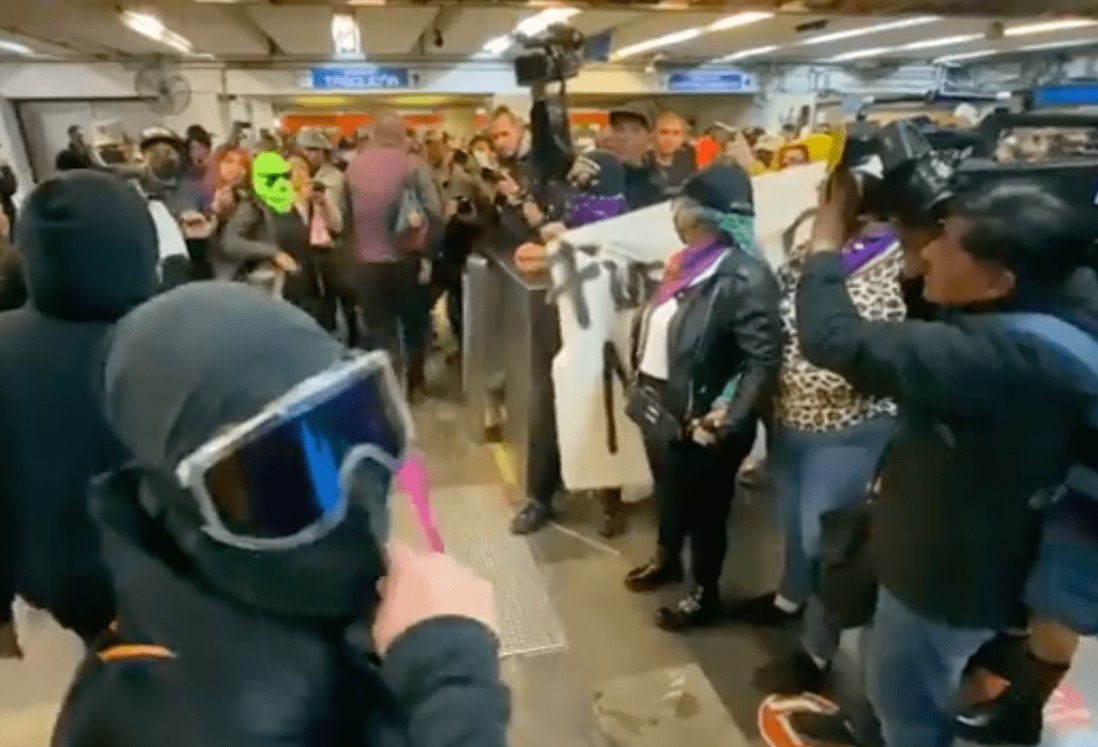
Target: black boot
[613,513]
[1015,716]
[832,729]
[799,673]
[761,612]
[700,607]
[664,568]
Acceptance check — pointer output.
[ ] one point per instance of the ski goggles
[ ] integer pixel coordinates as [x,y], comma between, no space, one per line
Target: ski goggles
[281,479]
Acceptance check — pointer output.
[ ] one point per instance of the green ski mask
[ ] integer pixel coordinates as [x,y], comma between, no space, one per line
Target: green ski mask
[271,181]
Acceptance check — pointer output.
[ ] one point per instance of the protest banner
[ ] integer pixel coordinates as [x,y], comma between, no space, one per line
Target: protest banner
[601,275]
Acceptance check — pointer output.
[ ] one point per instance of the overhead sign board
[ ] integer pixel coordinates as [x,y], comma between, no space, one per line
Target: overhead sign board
[357,78]
[711,81]
[1069,94]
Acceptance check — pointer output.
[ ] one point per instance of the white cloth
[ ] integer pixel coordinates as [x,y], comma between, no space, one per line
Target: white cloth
[169,235]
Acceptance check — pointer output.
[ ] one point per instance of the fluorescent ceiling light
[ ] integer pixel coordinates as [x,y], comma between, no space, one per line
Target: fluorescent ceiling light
[529,26]
[744,54]
[1063,24]
[866,30]
[860,54]
[968,55]
[150,26]
[738,19]
[1059,44]
[941,41]
[15,48]
[733,21]
[346,36]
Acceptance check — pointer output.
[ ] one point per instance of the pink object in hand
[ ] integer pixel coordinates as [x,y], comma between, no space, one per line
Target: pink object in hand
[412,479]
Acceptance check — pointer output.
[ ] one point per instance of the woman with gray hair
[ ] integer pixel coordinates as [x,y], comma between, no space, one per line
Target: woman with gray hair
[706,354]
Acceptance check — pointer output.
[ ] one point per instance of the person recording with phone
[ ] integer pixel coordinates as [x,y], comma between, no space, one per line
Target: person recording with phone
[975,385]
[261,600]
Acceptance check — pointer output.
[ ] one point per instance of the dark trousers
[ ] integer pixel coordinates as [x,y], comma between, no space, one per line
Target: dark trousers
[392,301]
[694,486]
[543,470]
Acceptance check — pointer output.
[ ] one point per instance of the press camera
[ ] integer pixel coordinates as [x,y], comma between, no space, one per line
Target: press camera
[910,169]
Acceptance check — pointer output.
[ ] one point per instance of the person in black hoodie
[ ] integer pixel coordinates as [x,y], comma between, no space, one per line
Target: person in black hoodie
[988,413]
[89,255]
[256,631]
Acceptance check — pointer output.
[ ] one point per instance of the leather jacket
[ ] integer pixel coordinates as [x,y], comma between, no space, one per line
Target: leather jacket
[726,327]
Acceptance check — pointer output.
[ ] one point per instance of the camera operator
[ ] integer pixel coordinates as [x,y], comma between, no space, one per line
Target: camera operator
[520,215]
[951,540]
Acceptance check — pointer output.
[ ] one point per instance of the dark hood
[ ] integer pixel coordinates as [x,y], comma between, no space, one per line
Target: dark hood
[89,247]
[186,365]
[1077,299]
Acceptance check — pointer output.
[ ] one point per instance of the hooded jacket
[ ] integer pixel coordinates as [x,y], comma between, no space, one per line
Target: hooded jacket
[89,255]
[259,649]
[987,419]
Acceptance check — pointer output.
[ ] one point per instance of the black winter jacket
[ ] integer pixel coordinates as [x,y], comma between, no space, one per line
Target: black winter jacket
[89,255]
[221,675]
[726,326]
[987,419]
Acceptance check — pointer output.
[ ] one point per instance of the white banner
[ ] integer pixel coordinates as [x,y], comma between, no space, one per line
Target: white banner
[601,274]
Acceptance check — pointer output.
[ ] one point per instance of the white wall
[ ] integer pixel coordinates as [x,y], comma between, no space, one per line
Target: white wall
[13,149]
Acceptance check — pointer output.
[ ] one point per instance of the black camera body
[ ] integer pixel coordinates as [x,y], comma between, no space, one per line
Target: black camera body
[910,169]
[556,54]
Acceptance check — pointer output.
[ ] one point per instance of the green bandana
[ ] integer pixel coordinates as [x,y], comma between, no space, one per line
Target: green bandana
[741,229]
[271,181]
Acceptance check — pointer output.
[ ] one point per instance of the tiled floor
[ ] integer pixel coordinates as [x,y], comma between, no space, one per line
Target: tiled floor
[620,682]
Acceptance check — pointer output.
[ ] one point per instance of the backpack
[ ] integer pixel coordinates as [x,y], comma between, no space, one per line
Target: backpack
[1081,348]
[411,239]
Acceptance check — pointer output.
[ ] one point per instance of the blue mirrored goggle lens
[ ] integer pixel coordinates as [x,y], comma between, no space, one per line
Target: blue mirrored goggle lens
[287,478]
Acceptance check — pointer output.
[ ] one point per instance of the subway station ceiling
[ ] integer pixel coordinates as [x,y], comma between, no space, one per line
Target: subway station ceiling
[638,31]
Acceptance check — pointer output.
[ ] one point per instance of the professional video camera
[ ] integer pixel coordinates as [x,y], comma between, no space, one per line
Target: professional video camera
[553,56]
[911,168]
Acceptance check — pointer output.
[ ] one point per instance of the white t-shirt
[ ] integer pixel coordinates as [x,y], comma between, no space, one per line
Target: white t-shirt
[655,347]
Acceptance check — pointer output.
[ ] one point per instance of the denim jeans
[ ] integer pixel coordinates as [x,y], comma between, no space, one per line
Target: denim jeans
[814,473]
[914,673]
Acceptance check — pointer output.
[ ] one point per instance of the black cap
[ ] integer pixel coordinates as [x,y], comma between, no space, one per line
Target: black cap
[196,133]
[722,186]
[152,135]
[640,111]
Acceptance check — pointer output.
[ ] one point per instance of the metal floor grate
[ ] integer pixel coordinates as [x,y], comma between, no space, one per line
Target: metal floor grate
[474,522]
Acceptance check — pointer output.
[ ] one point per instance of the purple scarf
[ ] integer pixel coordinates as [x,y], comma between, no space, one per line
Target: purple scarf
[684,268]
[861,251]
[582,208]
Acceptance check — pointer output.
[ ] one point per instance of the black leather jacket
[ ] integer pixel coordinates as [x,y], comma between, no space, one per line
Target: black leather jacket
[726,326]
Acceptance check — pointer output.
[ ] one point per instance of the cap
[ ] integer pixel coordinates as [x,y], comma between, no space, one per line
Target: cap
[724,187]
[639,110]
[152,135]
[311,138]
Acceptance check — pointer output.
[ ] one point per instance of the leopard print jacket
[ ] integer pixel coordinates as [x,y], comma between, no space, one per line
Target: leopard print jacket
[810,398]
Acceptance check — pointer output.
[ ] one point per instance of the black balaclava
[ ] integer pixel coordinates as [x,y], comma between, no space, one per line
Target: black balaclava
[199,359]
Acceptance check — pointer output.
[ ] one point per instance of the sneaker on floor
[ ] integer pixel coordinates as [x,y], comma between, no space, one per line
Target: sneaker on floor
[531,517]
[833,730]
[761,612]
[796,674]
[696,609]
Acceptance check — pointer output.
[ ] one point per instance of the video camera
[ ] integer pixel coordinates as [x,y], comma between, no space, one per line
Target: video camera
[553,56]
[910,169]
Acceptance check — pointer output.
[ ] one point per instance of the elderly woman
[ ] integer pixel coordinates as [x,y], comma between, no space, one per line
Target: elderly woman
[712,327]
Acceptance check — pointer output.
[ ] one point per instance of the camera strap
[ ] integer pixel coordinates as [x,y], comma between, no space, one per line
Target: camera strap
[1076,345]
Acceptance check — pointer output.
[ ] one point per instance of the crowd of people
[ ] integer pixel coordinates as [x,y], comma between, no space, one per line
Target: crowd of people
[231,572]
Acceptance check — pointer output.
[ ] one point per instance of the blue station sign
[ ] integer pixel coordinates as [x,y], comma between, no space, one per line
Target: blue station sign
[357,78]
[711,81]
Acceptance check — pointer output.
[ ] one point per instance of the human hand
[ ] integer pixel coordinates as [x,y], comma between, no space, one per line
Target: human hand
[532,213]
[740,152]
[531,258]
[9,642]
[195,225]
[5,226]
[415,220]
[223,201]
[424,276]
[507,186]
[551,231]
[702,433]
[451,209]
[285,262]
[837,213]
[424,586]
[584,172]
